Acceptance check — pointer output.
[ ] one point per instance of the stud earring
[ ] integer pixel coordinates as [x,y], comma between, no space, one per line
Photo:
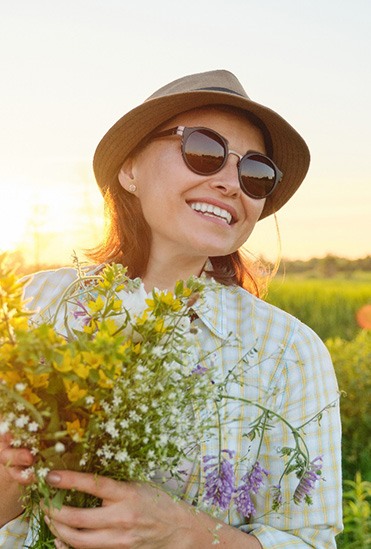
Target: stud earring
[132,188]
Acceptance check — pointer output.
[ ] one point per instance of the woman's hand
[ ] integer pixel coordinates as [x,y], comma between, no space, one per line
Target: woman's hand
[13,463]
[132,515]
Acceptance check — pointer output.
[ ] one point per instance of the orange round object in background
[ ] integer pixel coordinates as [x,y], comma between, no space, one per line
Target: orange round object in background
[364,317]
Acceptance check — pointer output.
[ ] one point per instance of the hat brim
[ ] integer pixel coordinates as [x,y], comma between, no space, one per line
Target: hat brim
[290,152]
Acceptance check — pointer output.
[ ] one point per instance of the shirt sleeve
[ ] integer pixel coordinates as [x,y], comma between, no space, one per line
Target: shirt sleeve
[13,534]
[306,384]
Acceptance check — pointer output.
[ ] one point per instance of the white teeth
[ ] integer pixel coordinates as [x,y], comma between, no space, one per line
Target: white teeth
[207,209]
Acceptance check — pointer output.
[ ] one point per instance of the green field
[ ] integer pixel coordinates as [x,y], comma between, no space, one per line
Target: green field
[328,306]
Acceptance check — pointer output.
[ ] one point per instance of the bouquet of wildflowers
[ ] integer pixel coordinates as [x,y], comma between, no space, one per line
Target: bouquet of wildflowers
[121,392]
[115,394]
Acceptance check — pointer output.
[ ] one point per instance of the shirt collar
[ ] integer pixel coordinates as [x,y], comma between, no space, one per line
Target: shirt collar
[211,308]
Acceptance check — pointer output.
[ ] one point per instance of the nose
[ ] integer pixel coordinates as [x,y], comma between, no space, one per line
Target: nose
[226,180]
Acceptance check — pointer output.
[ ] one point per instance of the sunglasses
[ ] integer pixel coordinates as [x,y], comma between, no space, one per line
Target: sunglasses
[206,152]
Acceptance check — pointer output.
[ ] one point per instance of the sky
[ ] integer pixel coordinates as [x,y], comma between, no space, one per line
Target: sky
[70,69]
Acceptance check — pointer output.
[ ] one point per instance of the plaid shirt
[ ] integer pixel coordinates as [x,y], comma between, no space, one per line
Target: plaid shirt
[286,368]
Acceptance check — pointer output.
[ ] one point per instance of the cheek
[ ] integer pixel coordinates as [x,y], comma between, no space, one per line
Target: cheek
[253,208]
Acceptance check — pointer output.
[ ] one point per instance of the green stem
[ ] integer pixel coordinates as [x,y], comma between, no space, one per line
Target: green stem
[295,431]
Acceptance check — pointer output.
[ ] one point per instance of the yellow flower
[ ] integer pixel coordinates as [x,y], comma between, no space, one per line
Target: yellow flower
[160,326]
[136,348]
[104,381]
[38,380]
[167,298]
[93,360]
[142,319]
[67,363]
[97,305]
[10,378]
[51,336]
[82,370]
[20,323]
[6,352]
[109,325]
[91,327]
[75,430]
[31,396]
[117,305]
[150,303]
[74,391]
[186,291]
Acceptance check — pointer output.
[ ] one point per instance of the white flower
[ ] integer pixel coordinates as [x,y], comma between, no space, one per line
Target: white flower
[110,428]
[59,447]
[20,387]
[42,472]
[89,400]
[122,455]
[117,400]
[27,473]
[33,427]
[4,427]
[134,416]
[164,438]
[22,420]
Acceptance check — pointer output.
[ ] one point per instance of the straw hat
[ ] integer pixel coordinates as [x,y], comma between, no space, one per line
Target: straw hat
[218,87]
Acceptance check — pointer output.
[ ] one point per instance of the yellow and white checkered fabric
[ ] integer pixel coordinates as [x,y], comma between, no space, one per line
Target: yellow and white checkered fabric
[285,367]
[13,534]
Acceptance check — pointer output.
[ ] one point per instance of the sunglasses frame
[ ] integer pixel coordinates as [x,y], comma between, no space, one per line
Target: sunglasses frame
[185,132]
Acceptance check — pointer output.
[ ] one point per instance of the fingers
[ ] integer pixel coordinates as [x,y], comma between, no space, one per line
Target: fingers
[16,457]
[82,518]
[17,461]
[80,539]
[101,487]
[59,544]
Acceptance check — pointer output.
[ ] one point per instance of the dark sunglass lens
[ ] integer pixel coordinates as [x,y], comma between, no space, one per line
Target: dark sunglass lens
[257,176]
[204,151]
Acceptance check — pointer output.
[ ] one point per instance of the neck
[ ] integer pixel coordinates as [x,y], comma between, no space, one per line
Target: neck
[163,274]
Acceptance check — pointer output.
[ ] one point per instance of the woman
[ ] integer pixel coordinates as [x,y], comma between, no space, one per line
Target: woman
[186,176]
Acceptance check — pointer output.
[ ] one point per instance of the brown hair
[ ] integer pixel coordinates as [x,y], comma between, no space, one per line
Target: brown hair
[128,235]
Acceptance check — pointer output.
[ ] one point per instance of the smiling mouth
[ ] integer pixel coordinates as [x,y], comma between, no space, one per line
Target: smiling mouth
[212,211]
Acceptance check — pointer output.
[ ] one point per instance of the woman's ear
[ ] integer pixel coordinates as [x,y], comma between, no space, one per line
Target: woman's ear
[126,177]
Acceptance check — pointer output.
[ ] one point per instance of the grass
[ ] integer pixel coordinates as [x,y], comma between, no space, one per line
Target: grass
[328,306]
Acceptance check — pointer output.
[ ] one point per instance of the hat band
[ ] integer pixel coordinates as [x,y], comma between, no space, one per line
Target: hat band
[214,88]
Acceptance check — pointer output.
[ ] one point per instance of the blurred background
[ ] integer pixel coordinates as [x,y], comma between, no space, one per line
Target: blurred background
[71,69]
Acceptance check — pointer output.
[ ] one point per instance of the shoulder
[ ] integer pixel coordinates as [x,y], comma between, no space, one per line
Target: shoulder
[44,290]
[45,287]
[270,323]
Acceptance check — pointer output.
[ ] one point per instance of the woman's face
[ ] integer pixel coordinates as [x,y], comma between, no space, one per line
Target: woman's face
[168,190]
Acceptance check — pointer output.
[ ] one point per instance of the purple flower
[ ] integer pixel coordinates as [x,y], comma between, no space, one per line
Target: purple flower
[308,481]
[220,480]
[83,313]
[199,370]
[251,484]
